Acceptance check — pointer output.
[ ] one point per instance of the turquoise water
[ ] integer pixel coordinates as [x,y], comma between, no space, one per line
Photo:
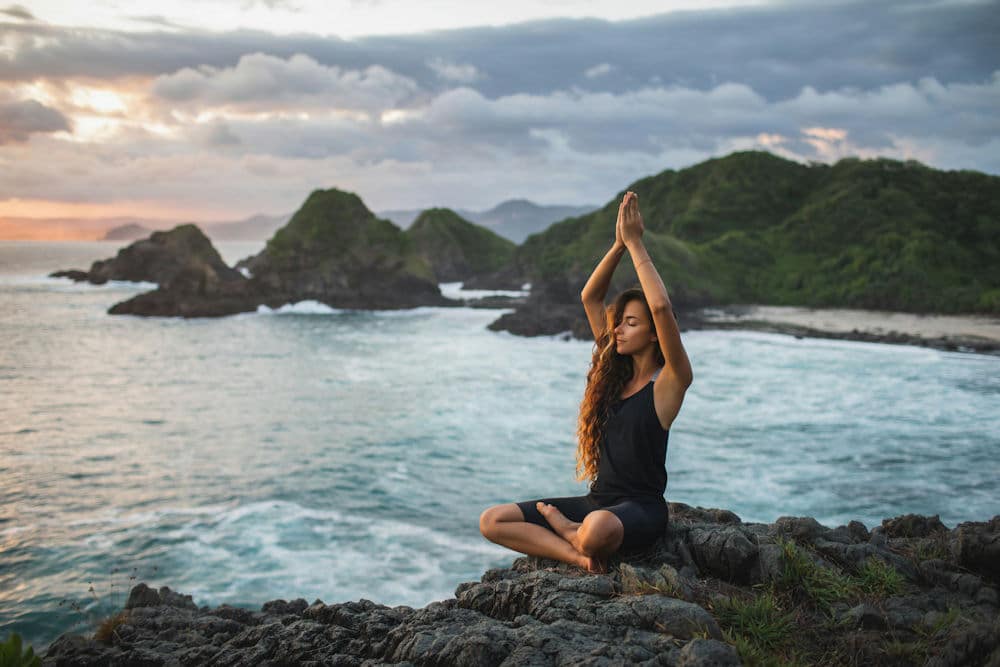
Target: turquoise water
[316,453]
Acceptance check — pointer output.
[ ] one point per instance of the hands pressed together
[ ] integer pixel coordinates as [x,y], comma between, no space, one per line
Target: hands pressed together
[629,227]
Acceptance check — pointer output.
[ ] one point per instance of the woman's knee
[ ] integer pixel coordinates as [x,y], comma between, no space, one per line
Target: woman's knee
[601,532]
[492,516]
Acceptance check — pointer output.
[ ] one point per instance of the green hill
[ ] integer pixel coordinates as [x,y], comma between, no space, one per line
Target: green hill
[753,227]
[335,250]
[335,226]
[456,248]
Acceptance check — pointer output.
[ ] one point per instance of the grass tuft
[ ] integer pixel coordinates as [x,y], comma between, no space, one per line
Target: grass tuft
[823,586]
[879,579]
[760,620]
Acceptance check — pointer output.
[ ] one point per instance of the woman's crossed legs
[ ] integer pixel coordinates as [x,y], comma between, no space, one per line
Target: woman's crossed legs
[578,532]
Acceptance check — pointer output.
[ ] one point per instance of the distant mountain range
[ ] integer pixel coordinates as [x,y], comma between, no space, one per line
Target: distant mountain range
[514,219]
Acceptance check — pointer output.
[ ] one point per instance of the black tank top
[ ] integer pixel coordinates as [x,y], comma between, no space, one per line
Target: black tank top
[633,451]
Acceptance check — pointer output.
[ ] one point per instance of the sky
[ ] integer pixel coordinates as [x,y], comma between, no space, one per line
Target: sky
[214,110]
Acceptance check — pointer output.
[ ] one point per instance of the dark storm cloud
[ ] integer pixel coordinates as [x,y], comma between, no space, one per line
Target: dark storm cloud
[775,50]
[19,119]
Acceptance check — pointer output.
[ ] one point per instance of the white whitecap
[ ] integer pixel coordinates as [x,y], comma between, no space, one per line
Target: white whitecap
[138,284]
[455,291]
[307,307]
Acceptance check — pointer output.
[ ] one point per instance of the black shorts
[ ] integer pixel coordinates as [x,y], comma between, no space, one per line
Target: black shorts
[645,521]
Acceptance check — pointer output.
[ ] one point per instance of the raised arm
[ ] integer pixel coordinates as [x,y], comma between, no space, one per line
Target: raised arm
[667,332]
[597,285]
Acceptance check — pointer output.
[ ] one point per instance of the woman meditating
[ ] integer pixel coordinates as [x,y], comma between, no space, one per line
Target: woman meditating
[636,384]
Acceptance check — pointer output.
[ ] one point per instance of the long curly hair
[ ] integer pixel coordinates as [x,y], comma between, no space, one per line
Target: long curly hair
[609,371]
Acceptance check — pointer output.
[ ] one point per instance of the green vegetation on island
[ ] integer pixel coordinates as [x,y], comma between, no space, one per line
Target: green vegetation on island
[457,248]
[334,229]
[753,227]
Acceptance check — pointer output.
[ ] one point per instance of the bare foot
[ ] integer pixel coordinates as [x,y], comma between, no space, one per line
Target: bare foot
[565,528]
[595,565]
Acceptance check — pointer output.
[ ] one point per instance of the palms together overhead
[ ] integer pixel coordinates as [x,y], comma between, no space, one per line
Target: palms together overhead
[629,226]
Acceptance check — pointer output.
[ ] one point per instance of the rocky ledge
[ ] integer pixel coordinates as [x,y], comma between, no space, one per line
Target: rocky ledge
[713,591]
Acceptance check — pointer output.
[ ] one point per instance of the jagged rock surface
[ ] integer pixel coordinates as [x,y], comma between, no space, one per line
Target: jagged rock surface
[656,607]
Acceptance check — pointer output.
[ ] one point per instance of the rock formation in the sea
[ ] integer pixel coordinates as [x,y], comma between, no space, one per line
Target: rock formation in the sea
[548,310]
[456,249]
[198,290]
[336,251]
[333,250]
[157,259]
[713,591]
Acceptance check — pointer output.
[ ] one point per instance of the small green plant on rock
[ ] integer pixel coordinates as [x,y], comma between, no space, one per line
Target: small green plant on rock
[929,639]
[11,655]
[879,579]
[759,620]
[822,585]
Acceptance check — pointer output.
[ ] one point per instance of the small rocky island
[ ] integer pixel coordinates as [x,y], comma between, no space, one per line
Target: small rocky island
[333,250]
[713,591]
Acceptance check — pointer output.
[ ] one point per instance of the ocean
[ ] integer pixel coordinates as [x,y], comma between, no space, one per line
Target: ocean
[335,454]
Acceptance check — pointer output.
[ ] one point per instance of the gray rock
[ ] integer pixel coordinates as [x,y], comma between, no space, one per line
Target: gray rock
[681,512]
[858,531]
[976,546]
[595,585]
[867,617]
[802,528]
[708,653]
[661,613]
[978,644]
[988,596]
[142,595]
[725,552]
[770,564]
[904,612]
[913,525]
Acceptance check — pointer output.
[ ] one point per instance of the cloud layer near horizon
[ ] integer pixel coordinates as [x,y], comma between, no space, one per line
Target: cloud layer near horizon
[558,111]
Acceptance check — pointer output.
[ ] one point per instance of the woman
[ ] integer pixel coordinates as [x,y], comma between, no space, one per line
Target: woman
[636,384]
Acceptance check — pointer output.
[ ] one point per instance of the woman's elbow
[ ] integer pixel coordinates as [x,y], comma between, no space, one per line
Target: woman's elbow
[656,307]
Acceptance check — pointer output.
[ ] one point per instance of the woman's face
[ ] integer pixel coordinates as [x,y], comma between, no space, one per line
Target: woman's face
[635,331]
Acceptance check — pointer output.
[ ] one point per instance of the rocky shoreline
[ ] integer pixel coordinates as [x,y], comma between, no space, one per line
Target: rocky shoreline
[553,308]
[713,591]
[747,320]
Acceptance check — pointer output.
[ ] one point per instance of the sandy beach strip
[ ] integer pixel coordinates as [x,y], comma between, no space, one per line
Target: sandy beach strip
[977,332]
